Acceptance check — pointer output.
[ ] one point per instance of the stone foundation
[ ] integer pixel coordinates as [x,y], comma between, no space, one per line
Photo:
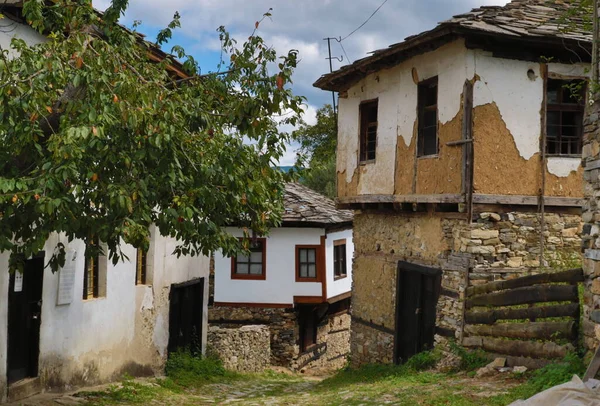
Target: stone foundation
[244,349]
[495,246]
[333,334]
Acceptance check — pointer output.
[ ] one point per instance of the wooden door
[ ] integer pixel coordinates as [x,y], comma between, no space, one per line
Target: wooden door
[24,320]
[418,290]
[186,316]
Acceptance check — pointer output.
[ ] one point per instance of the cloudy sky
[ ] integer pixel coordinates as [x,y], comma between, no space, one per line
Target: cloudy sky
[295,24]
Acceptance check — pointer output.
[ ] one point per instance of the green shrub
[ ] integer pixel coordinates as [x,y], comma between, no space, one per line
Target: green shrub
[423,361]
[469,360]
[187,370]
[557,373]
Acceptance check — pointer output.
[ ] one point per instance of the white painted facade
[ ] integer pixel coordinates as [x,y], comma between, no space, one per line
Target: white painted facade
[280,286]
[505,82]
[96,340]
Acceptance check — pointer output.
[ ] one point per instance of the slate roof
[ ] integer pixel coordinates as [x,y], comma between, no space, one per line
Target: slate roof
[305,206]
[531,20]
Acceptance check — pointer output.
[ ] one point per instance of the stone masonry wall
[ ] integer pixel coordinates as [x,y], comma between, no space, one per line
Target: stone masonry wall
[244,349]
[282,324]
[495,246]
[591,229]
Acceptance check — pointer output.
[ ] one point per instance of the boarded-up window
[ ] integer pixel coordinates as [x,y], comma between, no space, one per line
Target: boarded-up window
[565,104]
[253,264]
[368,130]
[141,266]
[428,117]
[91,271]
[339,259]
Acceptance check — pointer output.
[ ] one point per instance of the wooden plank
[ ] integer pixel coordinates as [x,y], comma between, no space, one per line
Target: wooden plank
[592,369]
[520,348]
[490,317]
[535,330]
[572,276]
[441,198]
[527,200]
[530,294]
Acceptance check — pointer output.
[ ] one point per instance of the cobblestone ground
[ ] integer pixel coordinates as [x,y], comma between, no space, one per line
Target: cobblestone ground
[276,389]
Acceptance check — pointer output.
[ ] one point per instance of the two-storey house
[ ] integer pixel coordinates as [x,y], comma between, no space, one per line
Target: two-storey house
[460,151]
[297,280]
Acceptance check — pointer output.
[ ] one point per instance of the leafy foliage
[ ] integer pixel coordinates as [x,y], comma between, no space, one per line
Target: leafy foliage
[101,139]
[469,360]
[318,144]
[557,373]
[187,370]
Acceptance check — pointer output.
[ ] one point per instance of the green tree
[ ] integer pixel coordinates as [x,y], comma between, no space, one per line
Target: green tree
[318,145]
[99,140]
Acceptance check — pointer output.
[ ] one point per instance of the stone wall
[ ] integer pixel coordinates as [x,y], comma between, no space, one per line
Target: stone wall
[495,246]
[244,349]
[591,229]
[282,324]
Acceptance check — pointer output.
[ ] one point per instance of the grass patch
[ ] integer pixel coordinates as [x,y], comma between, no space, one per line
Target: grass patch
[469,360]
[128,391]
[186,370]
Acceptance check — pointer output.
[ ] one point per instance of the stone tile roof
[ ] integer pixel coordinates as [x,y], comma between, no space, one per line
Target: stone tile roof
[534,20]
[304,205]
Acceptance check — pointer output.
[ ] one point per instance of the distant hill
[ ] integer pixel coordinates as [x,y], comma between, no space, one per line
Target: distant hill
[285,169]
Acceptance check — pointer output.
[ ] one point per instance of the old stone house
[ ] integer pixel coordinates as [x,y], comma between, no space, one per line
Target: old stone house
[93,321]
[460,151]
[297,280]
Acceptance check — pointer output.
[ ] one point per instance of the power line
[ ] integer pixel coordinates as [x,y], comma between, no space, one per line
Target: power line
[343,49]
[366,21]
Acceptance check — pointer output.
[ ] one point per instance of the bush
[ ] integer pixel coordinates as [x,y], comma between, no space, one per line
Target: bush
[469,360]
[557,373]
[423,361]
[187,370]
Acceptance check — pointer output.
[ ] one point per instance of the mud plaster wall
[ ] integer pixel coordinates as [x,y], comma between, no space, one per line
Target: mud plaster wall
[396,89]
[495,247]
[507,130]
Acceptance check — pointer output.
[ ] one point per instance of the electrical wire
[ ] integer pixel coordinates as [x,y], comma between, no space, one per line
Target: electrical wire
[366,21]
[343,49]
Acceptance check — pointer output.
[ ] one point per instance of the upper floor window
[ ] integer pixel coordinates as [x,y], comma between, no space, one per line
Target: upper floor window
[339,259]
[368,130]
[565,105]
[94,276]
[428,117]
[307,262]
[141,266]
[252,265]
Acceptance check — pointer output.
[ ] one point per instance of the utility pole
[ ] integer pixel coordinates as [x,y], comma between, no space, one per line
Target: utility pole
[341,59]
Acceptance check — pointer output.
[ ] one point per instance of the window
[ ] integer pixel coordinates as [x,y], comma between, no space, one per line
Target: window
[141,266]
[91,273]
[368,130]
[339,259]
[307,260]
[565,104]
[251,266]
[307,323]
[428,117]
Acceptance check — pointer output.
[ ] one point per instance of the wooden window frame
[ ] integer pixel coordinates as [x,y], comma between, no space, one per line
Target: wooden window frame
[561,107]
[318,263]
[421,110]
[363,153]
[340,243]
[248,276]
[94,263]
[141,270]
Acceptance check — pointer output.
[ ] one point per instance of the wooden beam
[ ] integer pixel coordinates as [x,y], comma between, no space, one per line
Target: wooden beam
[571,276]
[491,316]
[519,348]
[535,330]
[441,198]
[530,294]
[308,300]
[527,200]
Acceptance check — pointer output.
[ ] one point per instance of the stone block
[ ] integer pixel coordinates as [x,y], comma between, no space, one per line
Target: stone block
[482,234]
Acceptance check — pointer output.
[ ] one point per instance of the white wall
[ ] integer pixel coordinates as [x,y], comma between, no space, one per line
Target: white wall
[10,29]
[99,336]
[397,93]
[280,285]
[344,285]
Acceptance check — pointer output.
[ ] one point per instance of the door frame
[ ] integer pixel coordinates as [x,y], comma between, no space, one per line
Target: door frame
[404,266]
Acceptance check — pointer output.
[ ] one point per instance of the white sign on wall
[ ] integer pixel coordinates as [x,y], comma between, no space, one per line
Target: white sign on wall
[18,281]
[66,279]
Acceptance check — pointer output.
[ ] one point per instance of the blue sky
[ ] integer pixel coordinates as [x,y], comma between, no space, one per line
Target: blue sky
[295,24]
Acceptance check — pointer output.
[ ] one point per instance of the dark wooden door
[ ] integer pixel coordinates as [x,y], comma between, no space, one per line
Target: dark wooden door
[418,290]
[186,316]
[24,320]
